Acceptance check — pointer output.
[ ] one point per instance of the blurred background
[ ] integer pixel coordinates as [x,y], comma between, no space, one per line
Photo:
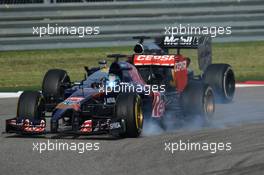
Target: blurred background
[119,20]
[25,57]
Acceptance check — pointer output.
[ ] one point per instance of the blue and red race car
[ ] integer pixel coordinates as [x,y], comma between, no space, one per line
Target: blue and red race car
[117,100]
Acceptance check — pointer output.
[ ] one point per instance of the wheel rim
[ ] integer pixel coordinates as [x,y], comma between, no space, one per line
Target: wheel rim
[229,83]
[209,105]
[138,114]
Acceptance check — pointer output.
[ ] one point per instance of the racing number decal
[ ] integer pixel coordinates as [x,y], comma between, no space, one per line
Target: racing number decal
[158,105]
[180,73]
[179,66]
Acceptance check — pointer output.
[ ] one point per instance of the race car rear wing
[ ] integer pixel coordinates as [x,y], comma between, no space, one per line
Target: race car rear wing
[200,42]
[182,42]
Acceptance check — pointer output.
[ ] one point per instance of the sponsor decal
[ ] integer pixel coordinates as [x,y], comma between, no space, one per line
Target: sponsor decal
[180,41]
[110,100]
[87,126]
[73,100]
[163,60]
[115,125]
[28,127]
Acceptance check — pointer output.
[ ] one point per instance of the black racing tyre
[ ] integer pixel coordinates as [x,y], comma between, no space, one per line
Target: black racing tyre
[31,106]
[54,83]
[129,108]
[198,100]
[222,79]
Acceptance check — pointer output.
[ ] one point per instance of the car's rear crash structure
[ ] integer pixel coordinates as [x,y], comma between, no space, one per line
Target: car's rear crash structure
[220,77]
[83,108]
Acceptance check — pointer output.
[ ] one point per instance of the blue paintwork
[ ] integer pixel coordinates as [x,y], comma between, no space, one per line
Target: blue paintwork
[85,89]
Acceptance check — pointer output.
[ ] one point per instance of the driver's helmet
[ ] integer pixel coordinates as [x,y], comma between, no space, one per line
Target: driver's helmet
[112,80]
[102,64]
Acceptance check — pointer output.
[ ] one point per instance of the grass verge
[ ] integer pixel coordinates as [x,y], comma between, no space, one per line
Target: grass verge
[24,70]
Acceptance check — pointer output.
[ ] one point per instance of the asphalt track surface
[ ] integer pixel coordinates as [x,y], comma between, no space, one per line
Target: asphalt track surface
[241,123]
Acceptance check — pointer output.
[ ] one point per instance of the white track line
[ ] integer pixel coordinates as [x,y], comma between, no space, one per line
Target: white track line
[10,94]
[249,85]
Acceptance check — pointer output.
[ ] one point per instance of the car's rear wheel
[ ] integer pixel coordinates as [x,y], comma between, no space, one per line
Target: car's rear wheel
[129,108]
[31,106]
[54,84]
[222,79]
[198,100]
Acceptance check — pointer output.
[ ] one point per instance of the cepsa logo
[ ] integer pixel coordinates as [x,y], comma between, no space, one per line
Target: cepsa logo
[155,57]
[166,60]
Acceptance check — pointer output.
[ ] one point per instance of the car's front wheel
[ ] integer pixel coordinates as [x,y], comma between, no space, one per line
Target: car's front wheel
[129,108]
[31,106]
[54,84]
